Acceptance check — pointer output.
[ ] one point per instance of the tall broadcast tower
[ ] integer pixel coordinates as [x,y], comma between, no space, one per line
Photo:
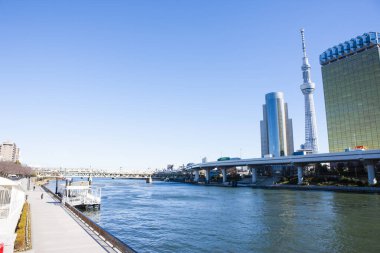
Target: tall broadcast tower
[307,88]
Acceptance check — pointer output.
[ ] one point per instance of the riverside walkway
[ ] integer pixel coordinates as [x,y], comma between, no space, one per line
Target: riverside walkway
[55,229]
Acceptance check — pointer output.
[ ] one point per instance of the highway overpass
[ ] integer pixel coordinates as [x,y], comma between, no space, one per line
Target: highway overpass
[369,157]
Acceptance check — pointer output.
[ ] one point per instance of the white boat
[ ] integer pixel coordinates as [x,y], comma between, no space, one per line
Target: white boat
[80,194]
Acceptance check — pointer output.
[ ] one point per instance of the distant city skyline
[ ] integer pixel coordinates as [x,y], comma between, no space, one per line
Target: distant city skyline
[145,84]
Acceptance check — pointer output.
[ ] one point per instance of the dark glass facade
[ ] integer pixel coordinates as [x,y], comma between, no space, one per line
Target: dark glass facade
[352,97]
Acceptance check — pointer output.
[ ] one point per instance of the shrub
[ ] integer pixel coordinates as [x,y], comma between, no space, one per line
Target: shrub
[23,230]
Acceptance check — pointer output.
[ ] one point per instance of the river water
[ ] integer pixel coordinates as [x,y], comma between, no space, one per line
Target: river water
[175,217]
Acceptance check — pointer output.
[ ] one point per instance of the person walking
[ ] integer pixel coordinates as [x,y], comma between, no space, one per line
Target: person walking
[42,196]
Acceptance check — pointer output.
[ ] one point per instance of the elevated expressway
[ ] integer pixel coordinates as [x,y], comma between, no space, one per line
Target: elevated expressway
[369,157]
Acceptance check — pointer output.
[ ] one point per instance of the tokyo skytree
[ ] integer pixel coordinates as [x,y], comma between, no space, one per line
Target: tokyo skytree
[307,88]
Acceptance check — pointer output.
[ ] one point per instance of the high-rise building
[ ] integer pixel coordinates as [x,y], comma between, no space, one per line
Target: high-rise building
[276,127]
[307,88]
[351,83]
[9,152]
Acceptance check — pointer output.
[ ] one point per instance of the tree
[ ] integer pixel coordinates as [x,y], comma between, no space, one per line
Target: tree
[8,168]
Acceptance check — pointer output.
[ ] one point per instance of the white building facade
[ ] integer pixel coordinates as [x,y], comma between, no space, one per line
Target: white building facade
[9,152]
[12,198]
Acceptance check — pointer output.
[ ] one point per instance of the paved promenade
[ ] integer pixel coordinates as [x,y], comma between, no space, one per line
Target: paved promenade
[55,230]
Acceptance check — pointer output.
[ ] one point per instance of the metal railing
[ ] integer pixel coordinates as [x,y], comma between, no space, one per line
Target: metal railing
[116,243]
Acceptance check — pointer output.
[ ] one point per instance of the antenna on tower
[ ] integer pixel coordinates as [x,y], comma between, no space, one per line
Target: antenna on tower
[303,42]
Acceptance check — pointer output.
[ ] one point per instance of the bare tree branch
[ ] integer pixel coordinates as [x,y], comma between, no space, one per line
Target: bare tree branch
[8,168]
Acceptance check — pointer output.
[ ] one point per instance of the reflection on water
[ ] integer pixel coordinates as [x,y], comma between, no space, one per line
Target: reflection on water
[171,217]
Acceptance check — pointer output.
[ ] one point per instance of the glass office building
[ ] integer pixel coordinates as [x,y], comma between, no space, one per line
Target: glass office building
[351,83]
[276,128]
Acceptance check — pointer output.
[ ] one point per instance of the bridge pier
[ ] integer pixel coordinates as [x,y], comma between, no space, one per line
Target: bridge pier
[371,173]
[196,176]
[224,173]
[300,174]
[207,175]
[254,175]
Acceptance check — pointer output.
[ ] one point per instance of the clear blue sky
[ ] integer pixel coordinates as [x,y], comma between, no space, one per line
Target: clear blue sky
[142,84]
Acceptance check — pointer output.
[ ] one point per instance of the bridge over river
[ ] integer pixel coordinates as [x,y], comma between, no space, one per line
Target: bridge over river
[83,172]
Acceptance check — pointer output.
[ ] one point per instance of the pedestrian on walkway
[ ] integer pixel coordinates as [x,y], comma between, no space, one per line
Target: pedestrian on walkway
[34,187]
[42,196]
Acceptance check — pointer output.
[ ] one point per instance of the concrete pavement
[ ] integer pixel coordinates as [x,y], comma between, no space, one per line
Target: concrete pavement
[55,230]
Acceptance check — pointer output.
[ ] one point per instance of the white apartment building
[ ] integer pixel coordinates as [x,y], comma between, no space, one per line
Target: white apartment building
[9,152]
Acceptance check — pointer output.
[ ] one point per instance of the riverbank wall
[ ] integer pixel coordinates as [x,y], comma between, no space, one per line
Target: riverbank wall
[347,189]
